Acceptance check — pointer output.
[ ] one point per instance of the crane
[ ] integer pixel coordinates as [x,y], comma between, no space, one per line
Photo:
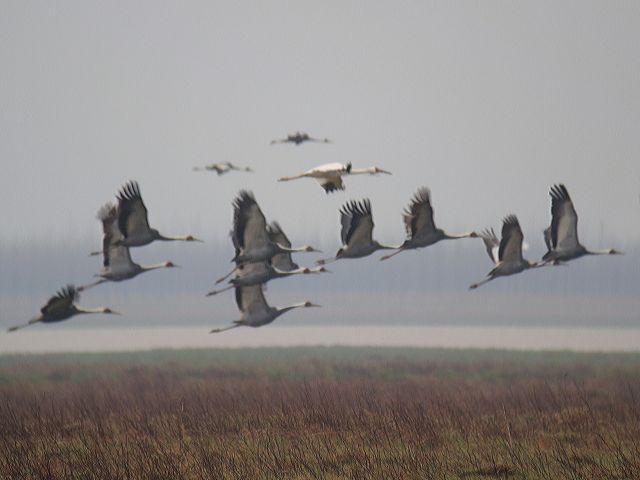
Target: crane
[561,237]
[299,138]
[60,307]
[330,175]
[420,227]
[281,265]
[222,168]
[117,263]
[133,221]
[356,232]
[254,309]
[507,252]
[261,272]
[249,235]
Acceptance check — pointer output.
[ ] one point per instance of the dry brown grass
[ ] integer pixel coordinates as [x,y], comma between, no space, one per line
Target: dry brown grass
[320,414]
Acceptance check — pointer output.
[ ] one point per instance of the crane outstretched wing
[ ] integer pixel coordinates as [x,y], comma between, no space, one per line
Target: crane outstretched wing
[564,219]
[249,224]
[491,243]
[281,261]
[418,215]
[357,222]
[132,214]
[332,184]
[112,253]
[251,299]
[60,302]
[511,242]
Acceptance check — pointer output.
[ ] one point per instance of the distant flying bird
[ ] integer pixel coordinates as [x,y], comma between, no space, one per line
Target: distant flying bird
[249,235]
[133,221]
[330,175]
[299,138]
[506,253]
[356,232]
[117,263]
[255,312]
[222,168]
[60,307]
[420,227]
[561,237]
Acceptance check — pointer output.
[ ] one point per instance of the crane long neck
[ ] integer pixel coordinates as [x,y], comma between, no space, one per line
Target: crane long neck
[172,239]
[446,236]
[84,310]
[358,171]
[281,310]
[148,268]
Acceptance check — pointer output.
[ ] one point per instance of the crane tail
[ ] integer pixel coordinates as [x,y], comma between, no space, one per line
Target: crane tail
[218,330]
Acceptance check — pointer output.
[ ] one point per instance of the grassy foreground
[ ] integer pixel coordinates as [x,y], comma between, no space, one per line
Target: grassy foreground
[320,413]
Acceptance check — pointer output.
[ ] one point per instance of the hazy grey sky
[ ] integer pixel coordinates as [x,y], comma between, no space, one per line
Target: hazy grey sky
[486,103]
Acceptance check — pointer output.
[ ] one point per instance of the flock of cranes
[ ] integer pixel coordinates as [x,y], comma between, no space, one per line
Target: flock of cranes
[263,252]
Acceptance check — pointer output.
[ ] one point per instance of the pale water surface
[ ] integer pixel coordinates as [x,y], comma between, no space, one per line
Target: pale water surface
[42,339]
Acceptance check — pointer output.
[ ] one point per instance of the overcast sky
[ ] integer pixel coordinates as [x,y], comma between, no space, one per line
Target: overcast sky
[486,103]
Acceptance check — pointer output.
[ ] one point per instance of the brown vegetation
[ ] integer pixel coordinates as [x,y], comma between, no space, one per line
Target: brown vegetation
[320,414]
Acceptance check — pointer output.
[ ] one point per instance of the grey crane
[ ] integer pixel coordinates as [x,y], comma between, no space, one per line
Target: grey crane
[420,227]
[60,307]
[507,252]
[255,312]
[117,264]
[250,236]
[356,232]
[561,237]
[133,220]
[279,266]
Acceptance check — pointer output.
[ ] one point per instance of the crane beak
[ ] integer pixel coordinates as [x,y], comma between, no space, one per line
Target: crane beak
[379,170]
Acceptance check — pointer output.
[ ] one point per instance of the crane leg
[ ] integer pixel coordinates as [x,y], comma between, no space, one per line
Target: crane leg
[218,330]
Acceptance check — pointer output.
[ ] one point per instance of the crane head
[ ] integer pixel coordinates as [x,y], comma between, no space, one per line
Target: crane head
[310,304]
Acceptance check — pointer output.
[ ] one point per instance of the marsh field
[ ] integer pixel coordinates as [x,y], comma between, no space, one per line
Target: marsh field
[320,413]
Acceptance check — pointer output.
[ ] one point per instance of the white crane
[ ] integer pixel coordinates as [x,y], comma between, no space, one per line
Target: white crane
[420,227]
[506,253]
[561,237]
[249,235]
[255,312]
[281,265]
[61,307]
[299,138]
[356,232]
[133,221]
[222,168]
[117,263]
[330,175]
